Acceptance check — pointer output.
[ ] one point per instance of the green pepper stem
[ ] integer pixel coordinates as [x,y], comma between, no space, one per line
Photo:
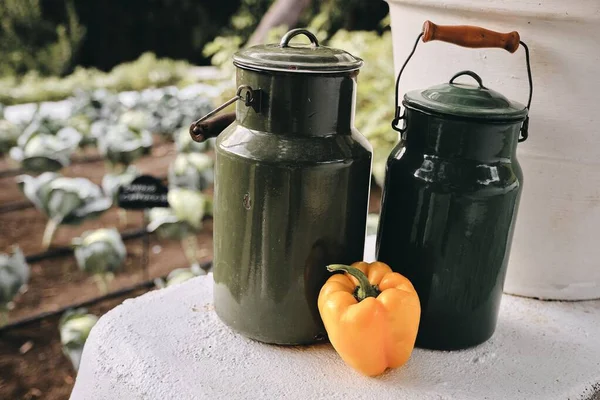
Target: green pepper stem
[364,288]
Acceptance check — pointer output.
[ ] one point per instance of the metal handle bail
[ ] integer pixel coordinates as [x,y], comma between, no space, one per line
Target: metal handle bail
[399,115]
[249,98]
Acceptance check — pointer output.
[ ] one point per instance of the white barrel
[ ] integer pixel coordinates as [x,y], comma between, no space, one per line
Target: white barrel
[556,247]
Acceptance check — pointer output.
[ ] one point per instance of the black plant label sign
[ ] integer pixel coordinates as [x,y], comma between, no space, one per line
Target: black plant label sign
[143,192]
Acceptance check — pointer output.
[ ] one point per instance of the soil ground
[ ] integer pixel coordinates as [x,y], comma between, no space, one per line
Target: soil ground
[32,364]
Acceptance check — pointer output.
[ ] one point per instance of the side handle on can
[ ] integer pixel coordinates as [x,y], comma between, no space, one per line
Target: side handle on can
[202,130]
[207,127]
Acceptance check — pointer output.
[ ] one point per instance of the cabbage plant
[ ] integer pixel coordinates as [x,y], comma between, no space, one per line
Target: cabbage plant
[44,146]
[171,108]
[111,184]
[95,105]
[136,120]
[64,200]
[98,129]
[9,134]
[82,124]
[185,144]
[187,208]
[182,220]
[14,274]
[166,225]
[121,145]
[100,252]
[75,327]
[165,108]
[180,275]
[191,171]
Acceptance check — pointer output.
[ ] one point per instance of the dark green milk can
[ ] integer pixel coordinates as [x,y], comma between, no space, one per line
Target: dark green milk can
[450,201]
[292,178]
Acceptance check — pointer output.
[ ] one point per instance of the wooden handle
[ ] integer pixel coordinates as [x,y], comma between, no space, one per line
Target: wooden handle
[470,36]
[211,127]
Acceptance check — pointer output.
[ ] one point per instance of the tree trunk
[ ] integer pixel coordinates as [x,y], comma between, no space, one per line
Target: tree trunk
[282,12]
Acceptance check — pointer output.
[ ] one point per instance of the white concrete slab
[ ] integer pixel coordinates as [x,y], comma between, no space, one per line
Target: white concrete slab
[169,344]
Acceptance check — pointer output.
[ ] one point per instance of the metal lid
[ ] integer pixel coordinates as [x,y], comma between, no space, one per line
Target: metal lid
[299,58]
[463,100]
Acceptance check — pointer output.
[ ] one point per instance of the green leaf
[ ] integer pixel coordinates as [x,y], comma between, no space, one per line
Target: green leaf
[68,194]
[121,145]
[9,133]
[14,274]
[135,120]
[36,189]
[75,327]
[192,171]
[188,205]
[41,149]
[165,223]
[100,251]
[179,275]
[82,125]
[92,208]
[64,200]
[112,182]
[185,144]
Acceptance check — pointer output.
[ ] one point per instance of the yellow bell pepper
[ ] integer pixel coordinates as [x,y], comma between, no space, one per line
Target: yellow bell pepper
[371,315]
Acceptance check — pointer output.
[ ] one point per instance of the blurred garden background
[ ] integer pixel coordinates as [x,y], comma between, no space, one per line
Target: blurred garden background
[96,93]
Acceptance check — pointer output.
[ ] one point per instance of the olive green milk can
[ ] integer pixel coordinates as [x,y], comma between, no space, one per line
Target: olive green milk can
[292,177]
[451,195]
